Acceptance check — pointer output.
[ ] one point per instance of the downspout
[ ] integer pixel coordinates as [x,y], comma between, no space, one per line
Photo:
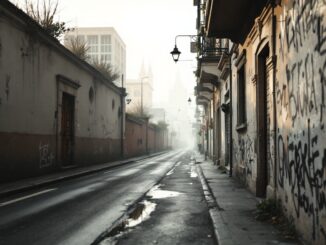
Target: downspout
[207,137]
[274,89]
[122,115]
[214,127]
[231,112]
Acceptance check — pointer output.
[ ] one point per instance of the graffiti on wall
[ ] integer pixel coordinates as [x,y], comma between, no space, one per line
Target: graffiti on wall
[297,96]
[303,19]
[45,155]
[244,153]
[300,101]
[299,168]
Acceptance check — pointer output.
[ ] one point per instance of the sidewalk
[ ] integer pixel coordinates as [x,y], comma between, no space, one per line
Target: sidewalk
[30,183]
[232,209]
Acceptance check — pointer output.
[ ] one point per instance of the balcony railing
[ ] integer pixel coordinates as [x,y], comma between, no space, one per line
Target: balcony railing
[212,49]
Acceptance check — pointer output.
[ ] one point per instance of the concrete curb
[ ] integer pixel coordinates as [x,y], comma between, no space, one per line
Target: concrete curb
[29,184]
[222,234]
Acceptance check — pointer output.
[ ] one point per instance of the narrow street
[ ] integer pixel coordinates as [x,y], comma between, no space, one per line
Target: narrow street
[162,122]
[180,214]
[79,210]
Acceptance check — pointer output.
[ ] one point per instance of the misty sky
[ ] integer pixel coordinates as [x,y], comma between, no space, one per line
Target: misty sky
[148,28]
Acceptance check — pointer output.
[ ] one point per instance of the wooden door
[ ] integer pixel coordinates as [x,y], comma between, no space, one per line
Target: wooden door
[262,123]
[67,129]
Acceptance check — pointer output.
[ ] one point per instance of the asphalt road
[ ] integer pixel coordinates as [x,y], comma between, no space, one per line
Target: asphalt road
[78,210]
[177,210]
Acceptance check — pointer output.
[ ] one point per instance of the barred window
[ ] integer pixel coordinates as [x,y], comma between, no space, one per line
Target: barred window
[241,96]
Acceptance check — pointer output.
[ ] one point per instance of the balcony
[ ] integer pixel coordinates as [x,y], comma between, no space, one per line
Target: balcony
[211,53]
[211,50]
[204,93]
[231,19]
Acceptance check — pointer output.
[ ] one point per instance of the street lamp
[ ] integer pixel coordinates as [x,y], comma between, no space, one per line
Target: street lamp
[175,52]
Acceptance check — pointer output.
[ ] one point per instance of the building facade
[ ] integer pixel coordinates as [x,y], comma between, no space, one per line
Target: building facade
[104,45]
[261,83]
[140,91]
[56,111]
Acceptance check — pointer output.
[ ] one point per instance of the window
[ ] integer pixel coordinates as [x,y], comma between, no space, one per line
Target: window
[105,58]
[106,39]
[241,92]
[92,44]
[105,43]
[106,48]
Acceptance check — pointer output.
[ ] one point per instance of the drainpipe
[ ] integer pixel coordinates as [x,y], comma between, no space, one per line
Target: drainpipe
[207,131]
[231,112]
[122,115]
[214,128]
[274,93]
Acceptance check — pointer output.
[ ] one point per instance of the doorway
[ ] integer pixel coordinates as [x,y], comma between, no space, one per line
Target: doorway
[262,122]
[67,129]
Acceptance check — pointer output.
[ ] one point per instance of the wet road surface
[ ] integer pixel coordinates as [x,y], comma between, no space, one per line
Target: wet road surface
[78,210]
[175,212]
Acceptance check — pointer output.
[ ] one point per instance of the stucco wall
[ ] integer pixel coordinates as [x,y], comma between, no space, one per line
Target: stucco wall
[142,138]
[301,136]
[135,138]
[299,176]
[30,103]
[246,140]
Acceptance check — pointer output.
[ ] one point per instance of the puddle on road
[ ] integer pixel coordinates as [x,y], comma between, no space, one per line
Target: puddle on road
[141,213]
[157,193]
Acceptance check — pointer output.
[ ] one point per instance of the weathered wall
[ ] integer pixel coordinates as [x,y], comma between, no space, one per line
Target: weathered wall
[245,139]
[30,102]
[299,176]
[142,138]
[151,138]
[220,134]
[301,135]
[135,137]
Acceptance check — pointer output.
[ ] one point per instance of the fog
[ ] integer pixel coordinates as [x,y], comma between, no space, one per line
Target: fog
[148,28]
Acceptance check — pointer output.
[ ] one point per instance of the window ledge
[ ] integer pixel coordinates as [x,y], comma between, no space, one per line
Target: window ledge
[241,126]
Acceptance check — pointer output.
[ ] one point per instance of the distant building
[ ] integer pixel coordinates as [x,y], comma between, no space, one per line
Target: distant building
[138,89]
[105,45]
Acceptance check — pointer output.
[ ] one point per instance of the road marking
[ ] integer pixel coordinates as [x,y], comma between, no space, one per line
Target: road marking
[26,197]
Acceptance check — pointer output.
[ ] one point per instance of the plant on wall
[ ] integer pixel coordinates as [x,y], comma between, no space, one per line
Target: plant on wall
[45,13]
[78,47]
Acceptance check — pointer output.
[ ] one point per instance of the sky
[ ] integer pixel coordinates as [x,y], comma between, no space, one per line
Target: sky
[148,28]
